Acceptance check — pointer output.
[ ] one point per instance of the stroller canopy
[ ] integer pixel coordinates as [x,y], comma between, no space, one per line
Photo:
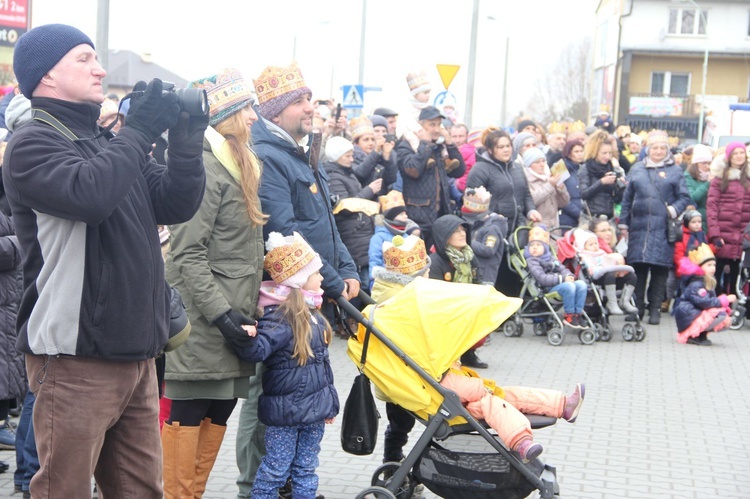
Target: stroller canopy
[433,322]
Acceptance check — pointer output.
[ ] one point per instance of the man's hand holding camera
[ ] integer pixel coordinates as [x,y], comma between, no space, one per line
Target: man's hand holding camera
[153,112]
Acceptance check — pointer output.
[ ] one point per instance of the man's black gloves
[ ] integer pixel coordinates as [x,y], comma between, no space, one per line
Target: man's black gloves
[153,112]
[230,324]
[186,137]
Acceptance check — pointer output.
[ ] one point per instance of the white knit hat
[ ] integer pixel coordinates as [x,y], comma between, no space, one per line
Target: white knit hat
[337,147]
[702,154]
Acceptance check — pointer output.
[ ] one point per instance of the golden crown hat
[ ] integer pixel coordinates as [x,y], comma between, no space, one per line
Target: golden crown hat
[577,126]
[477,199]
[539,234]
[701,254]
[276,81]
[555,127]
[284,261]
[405,255]
[657,137]
[360,126]
[391,200]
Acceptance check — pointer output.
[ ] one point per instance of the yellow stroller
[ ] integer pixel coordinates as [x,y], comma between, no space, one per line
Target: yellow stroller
[414,338]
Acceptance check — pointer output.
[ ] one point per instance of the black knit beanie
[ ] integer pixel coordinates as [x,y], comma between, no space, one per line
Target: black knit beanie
[38,50]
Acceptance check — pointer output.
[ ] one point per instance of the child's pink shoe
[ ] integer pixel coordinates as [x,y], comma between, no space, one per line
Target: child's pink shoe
[529,450]
[573,403]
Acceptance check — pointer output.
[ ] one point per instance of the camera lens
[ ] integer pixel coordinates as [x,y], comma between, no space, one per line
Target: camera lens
[193,101]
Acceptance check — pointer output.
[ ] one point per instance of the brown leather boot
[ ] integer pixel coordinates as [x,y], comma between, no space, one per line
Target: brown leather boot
[180,446]
[209,443]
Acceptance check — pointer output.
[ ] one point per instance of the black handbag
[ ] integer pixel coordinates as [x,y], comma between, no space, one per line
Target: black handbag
[359,424]
[674,229]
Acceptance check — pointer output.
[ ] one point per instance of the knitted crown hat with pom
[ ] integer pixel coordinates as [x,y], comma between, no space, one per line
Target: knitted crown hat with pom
[290,261]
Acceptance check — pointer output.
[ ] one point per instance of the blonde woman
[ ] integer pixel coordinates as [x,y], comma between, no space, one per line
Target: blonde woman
[601,182]
[215,261]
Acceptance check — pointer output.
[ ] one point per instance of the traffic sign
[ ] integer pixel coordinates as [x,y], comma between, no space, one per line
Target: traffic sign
[444,98]
[447,72]
[353,96]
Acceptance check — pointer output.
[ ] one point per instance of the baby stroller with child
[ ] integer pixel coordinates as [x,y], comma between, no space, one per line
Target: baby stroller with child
[596,302]
[410,341]
[542,309]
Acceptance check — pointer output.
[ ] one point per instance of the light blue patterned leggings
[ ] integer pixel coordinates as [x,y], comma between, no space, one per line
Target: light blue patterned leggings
[290,450]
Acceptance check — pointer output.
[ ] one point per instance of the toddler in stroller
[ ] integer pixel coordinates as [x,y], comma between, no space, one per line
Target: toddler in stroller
[412,340]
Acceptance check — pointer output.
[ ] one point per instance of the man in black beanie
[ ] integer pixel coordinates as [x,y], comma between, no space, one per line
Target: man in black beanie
[95,307]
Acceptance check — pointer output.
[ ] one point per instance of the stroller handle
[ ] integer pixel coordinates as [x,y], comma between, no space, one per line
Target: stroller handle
[351,310]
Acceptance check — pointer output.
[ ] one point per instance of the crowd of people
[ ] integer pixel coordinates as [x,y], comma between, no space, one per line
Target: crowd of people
[270,182]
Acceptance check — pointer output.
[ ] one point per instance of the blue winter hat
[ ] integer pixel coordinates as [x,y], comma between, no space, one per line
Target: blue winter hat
[38,50]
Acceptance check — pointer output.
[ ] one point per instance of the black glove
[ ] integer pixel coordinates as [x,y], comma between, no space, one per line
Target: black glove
[154,111]
[230,324]
[718,242]
[186,137]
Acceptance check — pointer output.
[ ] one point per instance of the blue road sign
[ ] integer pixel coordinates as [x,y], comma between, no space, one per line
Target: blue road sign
[353,96]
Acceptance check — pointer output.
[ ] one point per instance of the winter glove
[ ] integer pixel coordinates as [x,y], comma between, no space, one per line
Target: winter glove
[230,324]
[186,137]
[718,242]
[154,111]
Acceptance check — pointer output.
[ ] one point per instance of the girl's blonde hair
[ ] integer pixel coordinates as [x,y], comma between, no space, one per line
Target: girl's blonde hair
[595,143]
[299,315]
[237,135]
[709,282]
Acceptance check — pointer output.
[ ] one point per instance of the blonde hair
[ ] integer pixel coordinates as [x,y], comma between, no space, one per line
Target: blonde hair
[595,143]
[237,135]
[709,282]
[296,312]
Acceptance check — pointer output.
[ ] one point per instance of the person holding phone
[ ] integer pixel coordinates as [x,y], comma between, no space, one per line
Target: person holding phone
[374,157]
[601,182]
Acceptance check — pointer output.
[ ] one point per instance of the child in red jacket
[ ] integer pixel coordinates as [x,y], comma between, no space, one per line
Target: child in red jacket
[692,237]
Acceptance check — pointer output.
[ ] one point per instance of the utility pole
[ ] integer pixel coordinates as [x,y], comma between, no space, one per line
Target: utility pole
[505,84]
[472,65]
[102,37]
[362,43]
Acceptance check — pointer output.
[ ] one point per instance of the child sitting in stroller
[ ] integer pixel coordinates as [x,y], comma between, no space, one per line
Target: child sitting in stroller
[608,270]
[502,408]
[553,277]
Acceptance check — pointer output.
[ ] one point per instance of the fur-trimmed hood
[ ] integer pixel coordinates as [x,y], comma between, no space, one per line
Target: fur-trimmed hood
[388,283]
[719,164]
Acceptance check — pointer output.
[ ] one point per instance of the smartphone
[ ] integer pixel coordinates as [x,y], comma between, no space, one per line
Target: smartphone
[390,137]
[338,113]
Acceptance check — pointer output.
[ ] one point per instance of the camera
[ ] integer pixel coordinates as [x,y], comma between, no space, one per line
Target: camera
[390,137]
[192,100]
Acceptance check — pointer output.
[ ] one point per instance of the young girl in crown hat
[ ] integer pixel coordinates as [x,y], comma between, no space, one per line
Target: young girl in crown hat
[292,341]
[698,311]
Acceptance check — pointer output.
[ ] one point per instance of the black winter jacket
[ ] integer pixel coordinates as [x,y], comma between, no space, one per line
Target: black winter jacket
[426,189]
[86,214]
[370,167]
[12,370]
[440,265]
[355,228]
[509,188]
[600,198]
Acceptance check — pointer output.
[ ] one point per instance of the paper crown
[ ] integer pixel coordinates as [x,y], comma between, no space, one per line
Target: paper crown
[360,126]
[391,200]
[405,255]
[290,260]
[555,127]
[477,199]
[577,126]
[275,81]
[539,234]
[657,137]
[227,93]
[701,254]
[418,82]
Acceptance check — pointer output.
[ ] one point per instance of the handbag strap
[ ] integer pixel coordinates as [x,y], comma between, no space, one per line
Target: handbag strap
[368,331]
[658,193]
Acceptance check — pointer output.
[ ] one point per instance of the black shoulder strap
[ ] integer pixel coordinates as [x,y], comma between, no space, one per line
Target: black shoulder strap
[45,117]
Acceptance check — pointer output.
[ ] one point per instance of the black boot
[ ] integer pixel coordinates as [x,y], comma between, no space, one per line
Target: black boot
[654,316]
[470,359]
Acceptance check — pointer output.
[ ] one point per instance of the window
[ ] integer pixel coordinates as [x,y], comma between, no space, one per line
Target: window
[668,83]
[687,22]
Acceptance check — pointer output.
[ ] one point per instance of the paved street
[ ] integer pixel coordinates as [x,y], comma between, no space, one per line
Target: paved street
[660,419]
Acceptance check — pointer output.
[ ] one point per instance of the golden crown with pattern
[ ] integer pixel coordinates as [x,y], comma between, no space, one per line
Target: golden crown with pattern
[701,254]
[276,81]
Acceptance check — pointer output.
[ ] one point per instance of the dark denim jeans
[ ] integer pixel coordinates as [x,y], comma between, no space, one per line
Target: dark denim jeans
[27,460]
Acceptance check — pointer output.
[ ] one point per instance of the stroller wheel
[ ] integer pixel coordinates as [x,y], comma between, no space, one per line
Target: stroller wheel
[640,332]
[376,493]
[587,336]
[603,332]
[382,478]
[737,322]
[540,328]
[555,336]
[510,329]
[628,332]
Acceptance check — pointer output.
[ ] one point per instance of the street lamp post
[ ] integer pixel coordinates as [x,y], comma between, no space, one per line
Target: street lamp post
[705,73]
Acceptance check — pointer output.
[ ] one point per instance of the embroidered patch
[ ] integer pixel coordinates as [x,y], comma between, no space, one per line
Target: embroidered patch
[702,292]
[448,277]
[314,188]
[491,241]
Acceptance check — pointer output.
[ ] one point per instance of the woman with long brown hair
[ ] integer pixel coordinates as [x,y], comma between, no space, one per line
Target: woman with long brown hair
[215,262]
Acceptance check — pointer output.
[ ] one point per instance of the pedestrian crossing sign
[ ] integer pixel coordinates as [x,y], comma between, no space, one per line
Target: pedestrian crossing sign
[353,96]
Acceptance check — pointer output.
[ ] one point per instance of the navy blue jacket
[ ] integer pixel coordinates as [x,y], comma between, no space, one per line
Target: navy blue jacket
[695,298]
[645,215]
[292,394]
[488,233]
[297,199]
[571,212]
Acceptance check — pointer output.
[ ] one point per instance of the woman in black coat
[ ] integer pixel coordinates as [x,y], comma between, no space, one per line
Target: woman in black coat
[511,198]
[601,182]
[572,158]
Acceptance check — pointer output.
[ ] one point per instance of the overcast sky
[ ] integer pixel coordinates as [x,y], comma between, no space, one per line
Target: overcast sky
[197,39]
